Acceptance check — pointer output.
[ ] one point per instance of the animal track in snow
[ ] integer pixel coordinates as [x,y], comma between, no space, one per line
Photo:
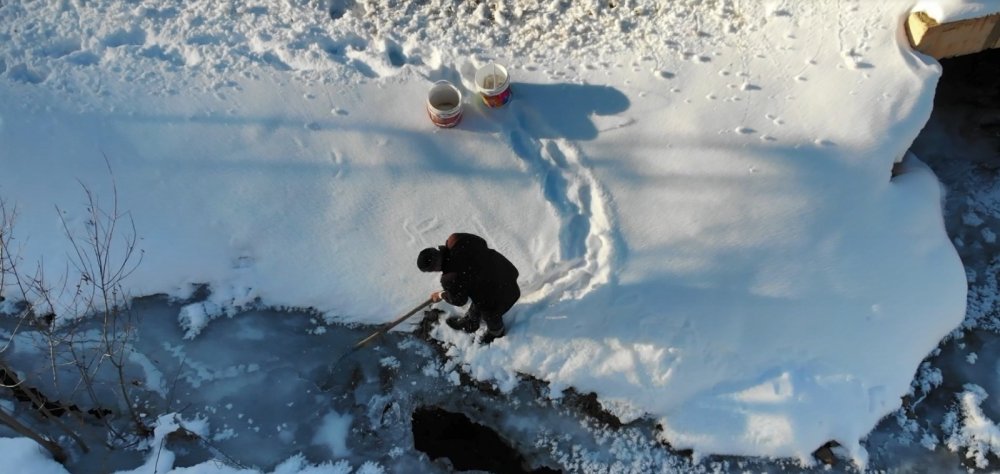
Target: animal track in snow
[417,232]
[339,164]
[243,262]
[22,73]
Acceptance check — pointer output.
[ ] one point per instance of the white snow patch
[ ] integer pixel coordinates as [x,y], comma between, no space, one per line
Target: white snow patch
[968,427]
[332,433]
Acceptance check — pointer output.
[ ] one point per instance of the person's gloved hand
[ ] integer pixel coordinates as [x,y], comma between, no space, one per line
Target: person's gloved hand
[437,296]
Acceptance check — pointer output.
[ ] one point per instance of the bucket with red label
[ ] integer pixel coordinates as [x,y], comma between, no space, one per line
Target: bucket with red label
[444,104]
[493,85]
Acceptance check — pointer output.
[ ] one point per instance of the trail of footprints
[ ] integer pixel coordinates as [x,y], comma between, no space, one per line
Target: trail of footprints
[586,241]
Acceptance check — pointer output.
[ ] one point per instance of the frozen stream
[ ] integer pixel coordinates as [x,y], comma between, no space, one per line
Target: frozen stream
[255,378]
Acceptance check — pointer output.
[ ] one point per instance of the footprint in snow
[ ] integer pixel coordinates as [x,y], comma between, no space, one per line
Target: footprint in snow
[22,73]
[421,231]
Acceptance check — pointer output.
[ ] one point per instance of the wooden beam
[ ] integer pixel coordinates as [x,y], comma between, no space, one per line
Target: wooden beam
[944,40]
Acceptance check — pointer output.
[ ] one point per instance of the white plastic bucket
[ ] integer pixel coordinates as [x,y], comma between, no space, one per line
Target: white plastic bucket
[444,104]
[493,85]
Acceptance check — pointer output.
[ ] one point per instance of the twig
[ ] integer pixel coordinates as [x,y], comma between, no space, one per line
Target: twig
[173,385]
[211,448]
[40,405]
[57,452]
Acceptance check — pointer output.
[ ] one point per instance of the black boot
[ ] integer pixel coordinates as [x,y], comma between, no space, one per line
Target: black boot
[433,313]
[463,323]
[491,335]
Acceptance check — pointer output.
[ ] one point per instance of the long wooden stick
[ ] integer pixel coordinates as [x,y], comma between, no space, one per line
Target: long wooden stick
[388,326]
[382,330]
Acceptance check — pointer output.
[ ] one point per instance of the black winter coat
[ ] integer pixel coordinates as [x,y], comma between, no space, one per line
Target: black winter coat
[472,270]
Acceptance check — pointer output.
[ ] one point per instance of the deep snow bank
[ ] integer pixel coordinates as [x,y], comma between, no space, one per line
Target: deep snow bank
[697,195]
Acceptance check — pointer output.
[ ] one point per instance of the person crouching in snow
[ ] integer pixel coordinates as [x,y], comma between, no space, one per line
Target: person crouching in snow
[470,270]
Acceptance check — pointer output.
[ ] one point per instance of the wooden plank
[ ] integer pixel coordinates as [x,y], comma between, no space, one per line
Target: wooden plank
[944,40]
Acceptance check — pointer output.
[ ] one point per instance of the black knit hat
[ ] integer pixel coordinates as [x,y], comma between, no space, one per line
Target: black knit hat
[428,258]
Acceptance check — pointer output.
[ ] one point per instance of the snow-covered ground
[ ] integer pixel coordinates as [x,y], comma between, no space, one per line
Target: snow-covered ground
[961,144]
[718,227]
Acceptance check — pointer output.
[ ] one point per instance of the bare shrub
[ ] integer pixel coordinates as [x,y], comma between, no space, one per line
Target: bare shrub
[81,324]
